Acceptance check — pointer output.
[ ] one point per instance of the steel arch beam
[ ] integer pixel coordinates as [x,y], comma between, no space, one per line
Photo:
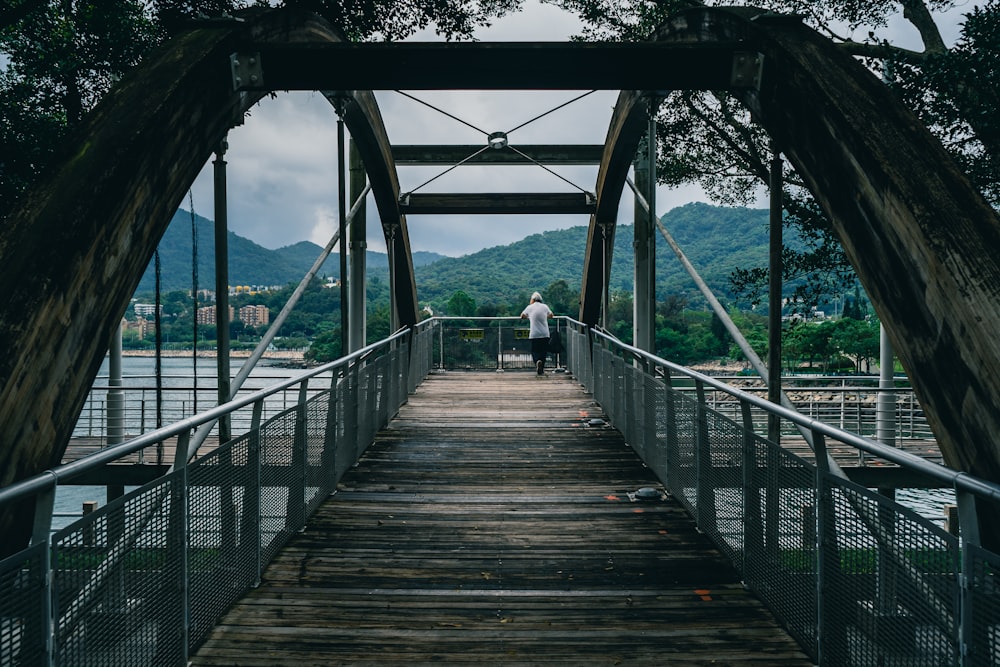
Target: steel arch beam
[361,115]
[625,131]
[922,240]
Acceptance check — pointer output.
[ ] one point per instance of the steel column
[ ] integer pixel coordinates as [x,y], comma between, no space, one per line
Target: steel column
[774,296]
[357,306]
[222,285]
[342,233]
[885,415]
[644,244]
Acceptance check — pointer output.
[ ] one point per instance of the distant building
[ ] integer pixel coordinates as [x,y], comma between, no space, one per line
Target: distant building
[255,316]
[206,315]
[146,309]
[141,326]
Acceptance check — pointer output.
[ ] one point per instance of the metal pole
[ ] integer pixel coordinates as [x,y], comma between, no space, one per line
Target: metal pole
[606,271]
[116,404]
[885,416]
[774,297]
[222,287]
[358,247]
[644,243]
[342,215]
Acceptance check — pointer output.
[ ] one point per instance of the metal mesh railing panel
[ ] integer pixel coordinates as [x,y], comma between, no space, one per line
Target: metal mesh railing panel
[652,432]
[344,454]
[891,583]
[779,556]
[483,345]
[318,482]
[222,540]
[631,394]
[379,378]
[118,581]
[579,359]
[23,607]
[365,423]
[721,485]
[682,448]
[983,607]
[277,480]
[421,357]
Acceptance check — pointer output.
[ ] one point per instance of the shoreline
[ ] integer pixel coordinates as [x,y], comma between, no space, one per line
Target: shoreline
[280,355]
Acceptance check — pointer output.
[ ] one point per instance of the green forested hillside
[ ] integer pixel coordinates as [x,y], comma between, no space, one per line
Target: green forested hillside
[249,263]
[715,239]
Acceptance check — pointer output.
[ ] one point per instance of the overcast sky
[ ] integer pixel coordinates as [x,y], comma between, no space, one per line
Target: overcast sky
[282,178]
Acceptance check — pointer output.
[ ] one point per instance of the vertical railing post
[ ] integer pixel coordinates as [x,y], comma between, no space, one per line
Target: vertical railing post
[969,535]
[181,526]
[251,499]
[650,398]
[822,500]
[703,463]
[753,531]
[330,438]
[40,534]
[440,326]
[672,458]
[351,417]
[297,483]
[830,629]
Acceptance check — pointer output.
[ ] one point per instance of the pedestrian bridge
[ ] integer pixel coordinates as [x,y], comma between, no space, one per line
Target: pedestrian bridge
[403,514]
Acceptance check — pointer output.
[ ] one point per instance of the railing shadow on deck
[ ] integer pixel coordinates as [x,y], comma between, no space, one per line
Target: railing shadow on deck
[855,577]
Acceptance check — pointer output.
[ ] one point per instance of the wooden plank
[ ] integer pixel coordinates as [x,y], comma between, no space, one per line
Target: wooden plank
[488,524]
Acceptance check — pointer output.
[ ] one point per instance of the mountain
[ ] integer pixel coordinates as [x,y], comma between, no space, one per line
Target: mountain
[249,263]
[715,239]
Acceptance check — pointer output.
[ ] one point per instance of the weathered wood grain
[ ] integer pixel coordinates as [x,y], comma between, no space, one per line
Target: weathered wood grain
[488,524]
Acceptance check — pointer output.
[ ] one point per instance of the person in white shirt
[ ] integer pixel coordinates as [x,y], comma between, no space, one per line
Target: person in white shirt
[537,313]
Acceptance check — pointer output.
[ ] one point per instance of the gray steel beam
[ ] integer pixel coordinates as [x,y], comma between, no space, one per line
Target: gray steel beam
[572,154]
[497,203]
[494,66]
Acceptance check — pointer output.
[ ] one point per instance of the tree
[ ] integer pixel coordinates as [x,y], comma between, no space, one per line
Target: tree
[709,137]
[857,340]
[65,55]
[561,299]
[461,305]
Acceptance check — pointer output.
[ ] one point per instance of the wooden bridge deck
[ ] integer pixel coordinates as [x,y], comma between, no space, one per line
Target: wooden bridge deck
[488,524]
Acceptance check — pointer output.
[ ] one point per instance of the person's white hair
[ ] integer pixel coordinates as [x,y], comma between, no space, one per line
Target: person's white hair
[536,297]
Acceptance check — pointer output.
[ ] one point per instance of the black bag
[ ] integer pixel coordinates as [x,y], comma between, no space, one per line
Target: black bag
[555,343]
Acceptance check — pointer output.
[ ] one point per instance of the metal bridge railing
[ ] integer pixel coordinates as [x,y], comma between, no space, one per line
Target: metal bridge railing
[487,343]
[855,577]
[143,579]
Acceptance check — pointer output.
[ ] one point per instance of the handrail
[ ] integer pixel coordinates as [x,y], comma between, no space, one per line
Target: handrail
[46,479]
[960,481]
